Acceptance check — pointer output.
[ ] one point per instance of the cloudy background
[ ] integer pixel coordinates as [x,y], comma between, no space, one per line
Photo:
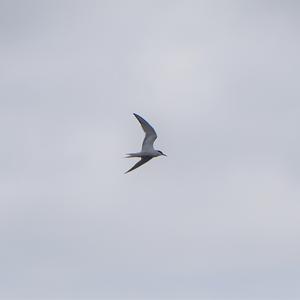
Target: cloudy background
[218,218]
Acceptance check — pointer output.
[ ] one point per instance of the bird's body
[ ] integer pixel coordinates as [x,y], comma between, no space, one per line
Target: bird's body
[148,152]
[152,154]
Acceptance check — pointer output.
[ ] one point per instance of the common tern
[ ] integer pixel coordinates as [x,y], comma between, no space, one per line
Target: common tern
[148,152]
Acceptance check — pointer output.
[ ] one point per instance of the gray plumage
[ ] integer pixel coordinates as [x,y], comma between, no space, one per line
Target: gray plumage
[148,152]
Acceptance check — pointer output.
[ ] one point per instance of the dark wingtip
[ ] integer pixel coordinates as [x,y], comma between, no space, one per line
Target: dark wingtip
[137,117]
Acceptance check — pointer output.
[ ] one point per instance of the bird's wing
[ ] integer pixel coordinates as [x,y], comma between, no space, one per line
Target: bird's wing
[150,134]
[139,163]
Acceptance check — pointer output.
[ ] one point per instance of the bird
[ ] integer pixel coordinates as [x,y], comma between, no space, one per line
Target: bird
[148,152]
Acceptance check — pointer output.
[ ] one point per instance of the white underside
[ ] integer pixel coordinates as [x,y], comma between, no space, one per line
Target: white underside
[143,154]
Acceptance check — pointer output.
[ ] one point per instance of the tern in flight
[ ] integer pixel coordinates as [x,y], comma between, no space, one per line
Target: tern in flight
[148,152]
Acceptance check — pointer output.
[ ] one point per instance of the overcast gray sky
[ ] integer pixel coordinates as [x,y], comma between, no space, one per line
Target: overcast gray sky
[218,218]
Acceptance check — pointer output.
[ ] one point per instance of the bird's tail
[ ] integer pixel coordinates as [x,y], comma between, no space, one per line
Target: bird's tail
[130,155]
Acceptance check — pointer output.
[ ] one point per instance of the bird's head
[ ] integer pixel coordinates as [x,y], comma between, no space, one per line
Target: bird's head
[160,153]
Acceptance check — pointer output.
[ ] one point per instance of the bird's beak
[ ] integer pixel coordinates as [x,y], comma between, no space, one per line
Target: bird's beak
[165,155]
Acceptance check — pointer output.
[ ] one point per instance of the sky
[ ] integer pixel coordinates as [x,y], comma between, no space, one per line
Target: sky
[218,219]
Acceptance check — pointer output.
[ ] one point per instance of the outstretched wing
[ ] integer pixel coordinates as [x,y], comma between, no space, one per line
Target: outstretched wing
[150,134]
[139,163]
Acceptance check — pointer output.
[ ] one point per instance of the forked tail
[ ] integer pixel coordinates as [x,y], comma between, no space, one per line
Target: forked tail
[130,155]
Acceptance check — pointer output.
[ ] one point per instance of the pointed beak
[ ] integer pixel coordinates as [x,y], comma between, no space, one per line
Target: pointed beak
[165,154]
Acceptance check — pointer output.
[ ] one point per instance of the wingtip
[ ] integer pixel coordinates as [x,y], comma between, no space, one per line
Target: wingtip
[138,117]
[127,171]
